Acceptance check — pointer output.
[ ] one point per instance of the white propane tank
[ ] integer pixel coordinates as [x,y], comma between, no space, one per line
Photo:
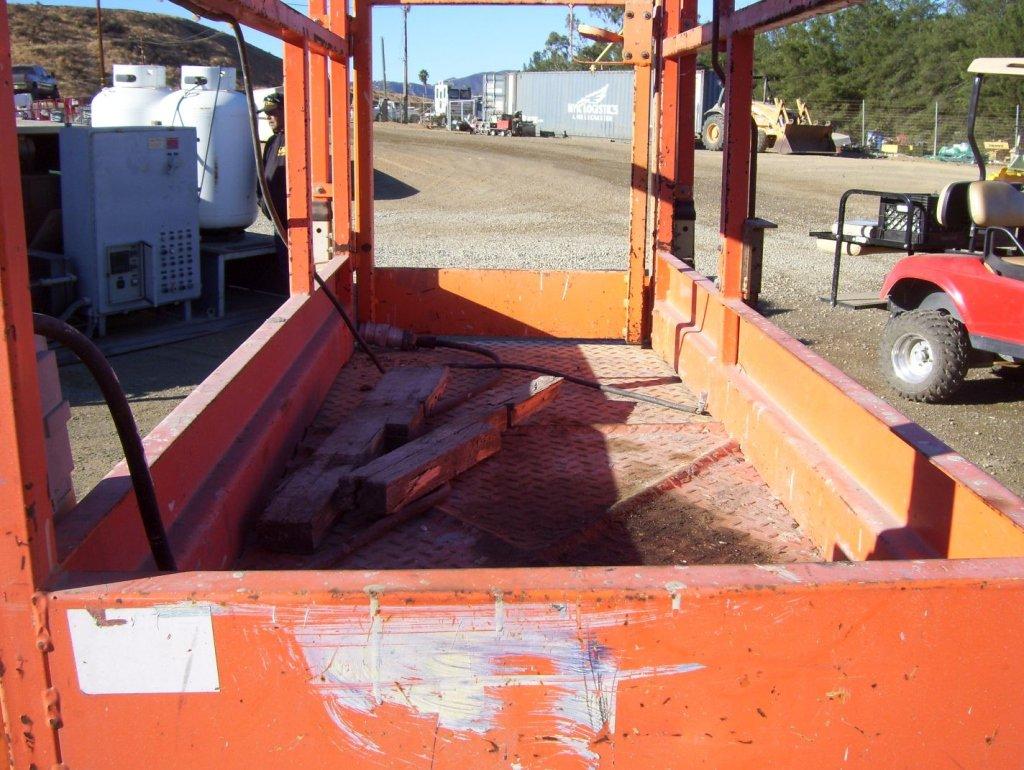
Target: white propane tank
[131,101]
[226,171]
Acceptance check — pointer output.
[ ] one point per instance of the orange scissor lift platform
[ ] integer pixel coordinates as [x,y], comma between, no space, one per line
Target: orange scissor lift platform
[801,577]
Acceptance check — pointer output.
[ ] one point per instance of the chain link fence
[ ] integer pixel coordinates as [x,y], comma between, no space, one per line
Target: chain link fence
[918,131]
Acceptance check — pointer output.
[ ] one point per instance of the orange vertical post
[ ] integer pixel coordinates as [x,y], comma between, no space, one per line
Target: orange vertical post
[319,122]
[297,125]
[26,520]
[638,27]
[676,136]
[362,65]
[341,150]
[735,180]
[668,133]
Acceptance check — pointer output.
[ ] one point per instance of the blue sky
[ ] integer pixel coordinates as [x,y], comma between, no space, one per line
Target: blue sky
[447,41]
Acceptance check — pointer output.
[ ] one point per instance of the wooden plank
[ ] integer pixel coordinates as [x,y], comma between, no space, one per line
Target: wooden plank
[393,480]
[406,394]
[304,508]
[511,405]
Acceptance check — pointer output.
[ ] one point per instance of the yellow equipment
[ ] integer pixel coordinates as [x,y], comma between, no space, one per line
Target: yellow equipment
[778,127]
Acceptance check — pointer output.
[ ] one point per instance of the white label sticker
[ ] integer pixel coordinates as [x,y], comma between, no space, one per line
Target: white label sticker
[144,650]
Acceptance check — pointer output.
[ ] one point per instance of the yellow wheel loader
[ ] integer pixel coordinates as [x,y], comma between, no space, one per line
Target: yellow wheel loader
[778,127]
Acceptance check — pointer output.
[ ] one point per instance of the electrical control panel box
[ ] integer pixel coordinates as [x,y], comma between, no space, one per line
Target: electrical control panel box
[131,216]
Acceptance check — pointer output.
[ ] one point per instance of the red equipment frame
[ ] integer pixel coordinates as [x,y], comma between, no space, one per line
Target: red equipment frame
[815,436]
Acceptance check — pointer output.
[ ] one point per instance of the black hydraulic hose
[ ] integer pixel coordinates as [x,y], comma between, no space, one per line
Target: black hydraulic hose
[426,341]
[127,431]
[275,215]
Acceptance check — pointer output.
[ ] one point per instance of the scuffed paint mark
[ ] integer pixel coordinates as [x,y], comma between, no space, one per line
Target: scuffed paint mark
[457,665]
[499,613]
[781,571]
[674,589]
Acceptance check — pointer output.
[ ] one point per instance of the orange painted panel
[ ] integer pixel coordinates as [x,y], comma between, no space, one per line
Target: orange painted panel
[879,465]
[802,666]
[504,303]
[220,448]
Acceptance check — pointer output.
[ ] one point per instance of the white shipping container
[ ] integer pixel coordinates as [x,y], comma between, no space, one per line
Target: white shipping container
[583,103]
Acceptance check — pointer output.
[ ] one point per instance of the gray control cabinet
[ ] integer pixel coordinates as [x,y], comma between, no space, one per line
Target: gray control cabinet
[131,216]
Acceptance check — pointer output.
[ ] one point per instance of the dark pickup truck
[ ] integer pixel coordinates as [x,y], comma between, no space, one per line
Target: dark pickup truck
[36,80]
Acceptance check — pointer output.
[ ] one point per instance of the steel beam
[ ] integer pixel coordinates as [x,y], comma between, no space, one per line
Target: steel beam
[341,138]
[638,31]
[275,18]
[26,519]
[493,2]
[298,166]
[760,17]
[735,180]
[319,103]
[362,68]
[676,136]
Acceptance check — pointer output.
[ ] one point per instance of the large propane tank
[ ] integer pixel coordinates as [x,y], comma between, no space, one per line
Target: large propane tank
[131,101]
[209,102]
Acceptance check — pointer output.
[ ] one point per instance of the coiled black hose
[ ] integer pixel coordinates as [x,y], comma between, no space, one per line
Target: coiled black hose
[127,431]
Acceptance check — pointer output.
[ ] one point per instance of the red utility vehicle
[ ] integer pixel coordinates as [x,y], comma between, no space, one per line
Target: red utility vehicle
[962,308]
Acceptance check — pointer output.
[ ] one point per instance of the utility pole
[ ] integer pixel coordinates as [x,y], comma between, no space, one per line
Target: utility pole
[572,24]
[863,124]
[405,76]
[99,36]
[384,71]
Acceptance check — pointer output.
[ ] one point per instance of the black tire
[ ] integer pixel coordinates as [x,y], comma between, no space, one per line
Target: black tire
[55,95]
[924,355]
[762,141]
[35,92]
[712,134]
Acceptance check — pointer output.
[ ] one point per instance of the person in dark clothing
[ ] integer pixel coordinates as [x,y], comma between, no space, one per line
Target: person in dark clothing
[274,172]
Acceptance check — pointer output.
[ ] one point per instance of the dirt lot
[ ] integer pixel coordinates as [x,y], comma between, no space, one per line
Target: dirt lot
[454,199]
[451,199]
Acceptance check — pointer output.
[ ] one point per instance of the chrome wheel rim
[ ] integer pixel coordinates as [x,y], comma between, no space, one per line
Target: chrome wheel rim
[912,358]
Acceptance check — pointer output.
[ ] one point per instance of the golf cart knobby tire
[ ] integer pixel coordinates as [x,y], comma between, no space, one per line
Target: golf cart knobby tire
[718,141]
[951,350]
[762,141]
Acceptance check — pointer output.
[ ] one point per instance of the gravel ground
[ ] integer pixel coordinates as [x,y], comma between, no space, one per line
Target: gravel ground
[447,199]
[454,199]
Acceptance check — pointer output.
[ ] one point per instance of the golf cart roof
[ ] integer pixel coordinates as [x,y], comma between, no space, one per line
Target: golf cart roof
[1013,66]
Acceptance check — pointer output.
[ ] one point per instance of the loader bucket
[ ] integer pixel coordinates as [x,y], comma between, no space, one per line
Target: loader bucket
[806,140]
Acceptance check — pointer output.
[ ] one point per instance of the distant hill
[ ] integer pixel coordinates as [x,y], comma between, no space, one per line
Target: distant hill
[474,81]
[415,89]
[63,39]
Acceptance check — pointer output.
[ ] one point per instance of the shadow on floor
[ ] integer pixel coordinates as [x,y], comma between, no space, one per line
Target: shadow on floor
[388,188]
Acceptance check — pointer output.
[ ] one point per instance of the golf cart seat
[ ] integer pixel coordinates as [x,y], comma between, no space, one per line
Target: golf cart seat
[952,210]
[1000,206]
[996,204]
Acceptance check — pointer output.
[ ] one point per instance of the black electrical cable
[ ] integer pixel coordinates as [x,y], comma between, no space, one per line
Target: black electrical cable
[127,431]
[275,215]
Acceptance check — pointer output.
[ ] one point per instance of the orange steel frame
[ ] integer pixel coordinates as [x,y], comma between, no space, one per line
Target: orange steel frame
[812,665]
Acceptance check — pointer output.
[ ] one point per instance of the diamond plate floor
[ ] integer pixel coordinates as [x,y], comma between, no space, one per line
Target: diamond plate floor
[593,479]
